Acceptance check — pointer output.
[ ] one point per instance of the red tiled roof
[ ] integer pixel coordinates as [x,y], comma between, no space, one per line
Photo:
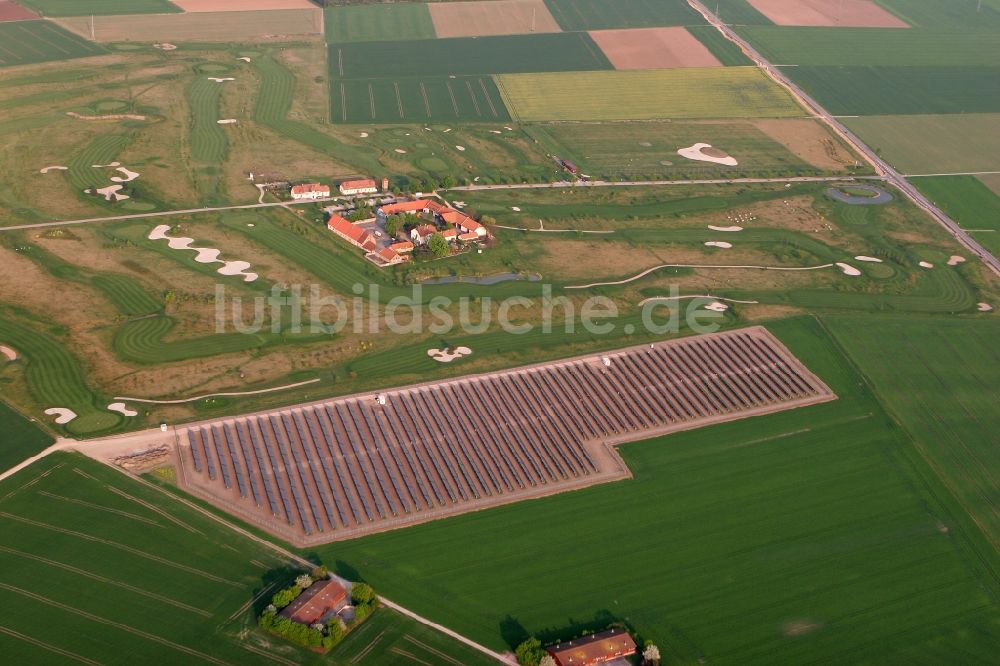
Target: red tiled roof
[389,255]
[358,184]
[472,235]
[593,649]
[319,599]
[402,246]
[426,230]
[356,234]
[404,207]
[450,233]
[305,188]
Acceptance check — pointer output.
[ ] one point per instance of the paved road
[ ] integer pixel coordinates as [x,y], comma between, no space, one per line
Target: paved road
[881,167]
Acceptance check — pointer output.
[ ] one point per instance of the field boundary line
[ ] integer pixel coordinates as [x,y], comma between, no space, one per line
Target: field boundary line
[432,650]
[92,505]
[107,581]
[269,655]
[118,625]
[368,648]
[155,509]
[120,546]
[410,656]
[250,603]
[52,648]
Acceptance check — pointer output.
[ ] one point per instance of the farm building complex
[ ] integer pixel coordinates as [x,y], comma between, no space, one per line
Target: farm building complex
[594,649]
[316,603]
[349,466]
[310,191]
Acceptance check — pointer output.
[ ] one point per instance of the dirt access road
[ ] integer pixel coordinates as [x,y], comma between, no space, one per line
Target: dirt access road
[881,167]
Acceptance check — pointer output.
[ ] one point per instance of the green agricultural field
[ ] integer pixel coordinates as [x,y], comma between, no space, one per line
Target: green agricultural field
[901,90]
[954,15]
[715,92]
[738,12]
[26,42]
[554,52]
[599,15]
[649,150]
[874,47]
[812,534]
[941,380]
[969,202]
[439,99]
[724,50]
[21,438]
[99,7]
[373,23]
[946,143]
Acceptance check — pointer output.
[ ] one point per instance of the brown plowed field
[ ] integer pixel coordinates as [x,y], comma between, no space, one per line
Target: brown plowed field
[11,11]
[491,17]
[346,467]
[241,5]
[828,13]
[653,48]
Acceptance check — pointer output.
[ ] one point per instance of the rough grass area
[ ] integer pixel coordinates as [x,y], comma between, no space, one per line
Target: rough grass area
[944,143]
[600,14]
[26,42]
[941,380]
[816,528]
[554,52]
[968,201]
[373,23]
[99,7]
[713,92]
[21,438]
[200,26]
[858,90]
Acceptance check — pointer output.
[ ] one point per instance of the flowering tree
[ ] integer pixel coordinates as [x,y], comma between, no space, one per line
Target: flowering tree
[651,655]
[304,581]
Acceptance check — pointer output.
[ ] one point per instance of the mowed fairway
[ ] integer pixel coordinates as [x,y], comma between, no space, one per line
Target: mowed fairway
[796,538]
[466,55]
[600,14]
[470,98]
[901,90]
[100,7]
[945,143]
[96,572]
[941,380]
[199,26]
[721,92]
[26,42]
[367,23]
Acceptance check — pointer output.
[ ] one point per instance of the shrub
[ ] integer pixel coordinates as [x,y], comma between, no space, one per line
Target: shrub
[530,652]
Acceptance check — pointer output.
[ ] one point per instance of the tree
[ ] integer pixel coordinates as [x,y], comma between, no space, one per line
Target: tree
[304,581]
[393,225]
[438,245]
[651,655]
[530,652]
[335,629]
[362,594]
[286,596]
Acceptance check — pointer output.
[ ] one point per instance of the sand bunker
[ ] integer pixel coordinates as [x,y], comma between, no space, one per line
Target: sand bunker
[111,193]
[8,353]
[205,255]
[448,355]
[462,148]
[515,209]
[847,269]
[509,129]
[244,59]
[127,175]
[364,135]
[722,244]
[400,151]
[222,79]
[122,409]
[874,260]
[107,166]
[165,46]
[107,116]
[926,264]
[495,132]
[227,121]
[715,228]
[704,152]
[716,306]
[955,260]
[53,168]
[63,415]
[984,307]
